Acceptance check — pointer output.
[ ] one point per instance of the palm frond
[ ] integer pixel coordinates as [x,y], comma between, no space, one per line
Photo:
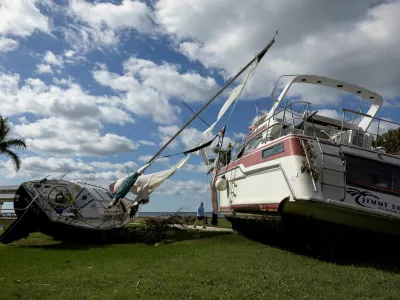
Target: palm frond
[16,143]
[4,128]
[14,157]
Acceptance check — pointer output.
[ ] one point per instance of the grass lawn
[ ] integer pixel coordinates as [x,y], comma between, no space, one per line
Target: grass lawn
[6,222]
[190,265]
[222,222]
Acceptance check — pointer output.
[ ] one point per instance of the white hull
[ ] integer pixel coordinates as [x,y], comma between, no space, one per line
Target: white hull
[274,185]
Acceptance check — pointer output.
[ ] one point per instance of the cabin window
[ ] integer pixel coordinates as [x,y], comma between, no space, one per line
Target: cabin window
[240,152]
[273,150]
[253,144]
[372,174]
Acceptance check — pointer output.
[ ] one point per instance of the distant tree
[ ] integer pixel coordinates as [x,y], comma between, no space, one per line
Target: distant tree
[7,143]
[389,140]
[225,155]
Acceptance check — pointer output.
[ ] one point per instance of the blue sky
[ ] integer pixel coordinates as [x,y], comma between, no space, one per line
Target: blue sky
[95,87]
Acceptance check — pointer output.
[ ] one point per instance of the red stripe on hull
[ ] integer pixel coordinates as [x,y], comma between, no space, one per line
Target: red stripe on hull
[291,146]
[252,207]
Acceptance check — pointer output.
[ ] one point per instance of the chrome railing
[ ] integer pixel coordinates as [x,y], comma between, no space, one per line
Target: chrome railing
[377,127]
[291,119]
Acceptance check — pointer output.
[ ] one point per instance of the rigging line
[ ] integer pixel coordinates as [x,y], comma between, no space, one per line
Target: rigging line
[258,57]
[244,84]
[191,150]
[195,113]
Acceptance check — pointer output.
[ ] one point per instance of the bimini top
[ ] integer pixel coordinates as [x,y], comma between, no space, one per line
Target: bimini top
[372,97]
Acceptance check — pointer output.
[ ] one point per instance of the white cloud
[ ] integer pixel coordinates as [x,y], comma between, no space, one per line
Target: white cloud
[69,53]
[105,165]
[167,80]
[61,136]
[116,115]
[146,158]
[189,138]
[43,69]
[188,188]
[354,42]
[238,136]
[201,168]
[36,167]
[68,119]
[146,143]
[72,57]
[101,24]
[330,113]
[63,81]
[146,88]
[22,18]
[7,45]
[51,59]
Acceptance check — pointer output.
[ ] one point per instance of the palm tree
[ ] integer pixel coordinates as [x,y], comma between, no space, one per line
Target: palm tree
[6,144]
[225,155]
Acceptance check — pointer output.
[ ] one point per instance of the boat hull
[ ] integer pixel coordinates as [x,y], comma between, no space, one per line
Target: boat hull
[34,215]
[268,183]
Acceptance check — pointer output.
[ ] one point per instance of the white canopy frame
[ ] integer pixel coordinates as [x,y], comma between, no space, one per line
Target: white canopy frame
[375,99]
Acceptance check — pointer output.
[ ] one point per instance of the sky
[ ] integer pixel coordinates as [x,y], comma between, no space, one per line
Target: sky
[96,88]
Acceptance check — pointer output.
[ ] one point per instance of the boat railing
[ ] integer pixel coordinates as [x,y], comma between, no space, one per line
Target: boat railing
[359,137]
[288,122]
[8,215]
[299,121]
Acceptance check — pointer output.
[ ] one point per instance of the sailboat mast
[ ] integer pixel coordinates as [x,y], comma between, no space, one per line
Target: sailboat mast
[258,57]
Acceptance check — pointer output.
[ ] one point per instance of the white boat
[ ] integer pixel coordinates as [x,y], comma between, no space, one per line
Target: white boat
[346,181]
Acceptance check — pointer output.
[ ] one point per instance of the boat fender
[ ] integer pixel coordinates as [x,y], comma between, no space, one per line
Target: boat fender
[221,184]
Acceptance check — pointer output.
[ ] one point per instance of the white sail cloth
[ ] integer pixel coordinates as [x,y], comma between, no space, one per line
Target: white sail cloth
[234,95]
[146,184]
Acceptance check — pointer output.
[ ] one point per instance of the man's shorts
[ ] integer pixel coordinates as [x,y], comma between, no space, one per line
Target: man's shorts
[200,218]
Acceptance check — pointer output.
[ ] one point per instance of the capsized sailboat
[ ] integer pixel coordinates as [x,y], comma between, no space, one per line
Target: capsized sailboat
[81,212]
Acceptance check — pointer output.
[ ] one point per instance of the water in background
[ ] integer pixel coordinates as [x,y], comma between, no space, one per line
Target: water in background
[157,214]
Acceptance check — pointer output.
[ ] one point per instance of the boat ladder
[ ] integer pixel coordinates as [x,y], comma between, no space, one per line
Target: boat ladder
[341,170]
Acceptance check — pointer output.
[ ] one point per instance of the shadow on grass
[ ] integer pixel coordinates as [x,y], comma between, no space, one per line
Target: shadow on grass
[338,245]
[173,236]
[186,235]
[66,246]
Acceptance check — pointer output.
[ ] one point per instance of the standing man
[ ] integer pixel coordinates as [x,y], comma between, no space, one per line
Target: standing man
[200,215]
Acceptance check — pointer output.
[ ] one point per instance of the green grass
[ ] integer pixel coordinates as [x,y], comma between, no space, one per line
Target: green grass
[6,222]
[190,265]
[222,222]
